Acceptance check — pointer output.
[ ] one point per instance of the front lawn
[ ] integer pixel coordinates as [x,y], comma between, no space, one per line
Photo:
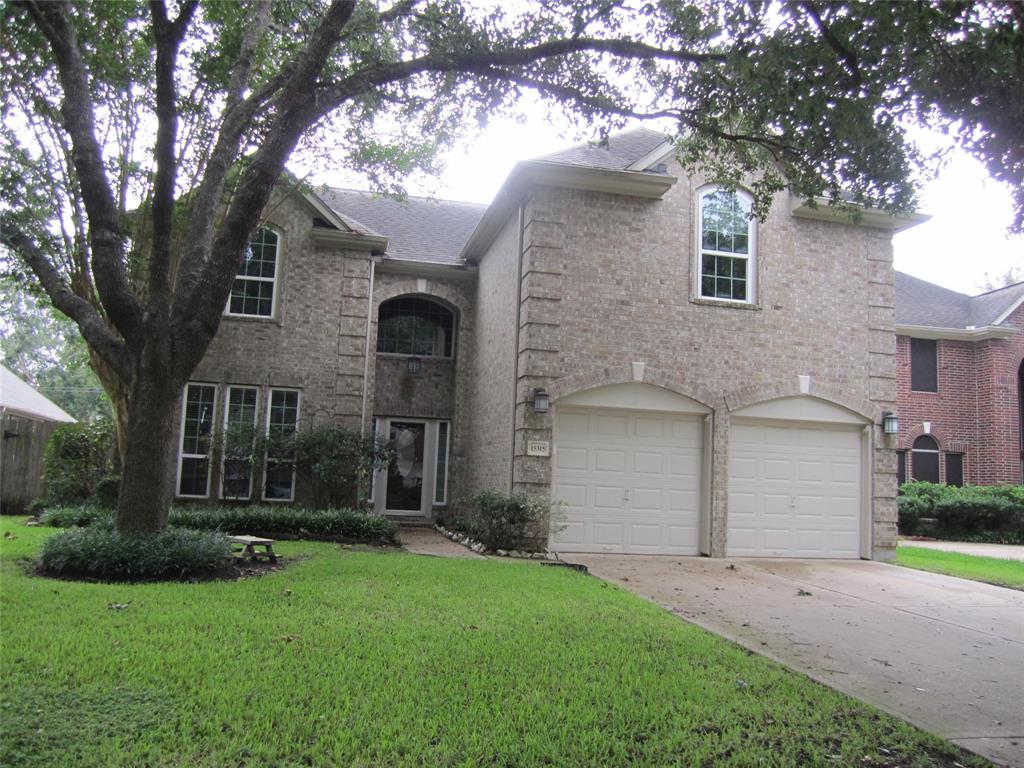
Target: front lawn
[350,657]
[992,570]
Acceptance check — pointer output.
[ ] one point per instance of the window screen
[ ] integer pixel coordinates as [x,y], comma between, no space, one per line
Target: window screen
[925,459]
[924,368]
[955,469]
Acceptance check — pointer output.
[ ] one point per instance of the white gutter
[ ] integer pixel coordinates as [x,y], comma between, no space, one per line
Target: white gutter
[354,240]
[850,213]
[444,270]
[955,334]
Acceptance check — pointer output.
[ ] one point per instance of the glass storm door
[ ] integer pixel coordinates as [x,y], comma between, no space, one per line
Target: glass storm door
[405,474]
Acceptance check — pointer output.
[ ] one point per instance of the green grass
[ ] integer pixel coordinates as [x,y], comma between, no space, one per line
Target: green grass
[992,570]
[357,657]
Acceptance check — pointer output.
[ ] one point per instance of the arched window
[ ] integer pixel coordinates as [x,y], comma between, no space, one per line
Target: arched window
[253,294]
[925,459]
[414,326]
[726,235]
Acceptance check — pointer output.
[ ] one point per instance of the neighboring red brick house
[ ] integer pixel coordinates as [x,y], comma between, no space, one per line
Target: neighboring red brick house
[960,383]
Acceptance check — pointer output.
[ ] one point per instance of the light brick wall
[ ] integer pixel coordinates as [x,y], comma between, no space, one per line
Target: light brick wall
[607,280]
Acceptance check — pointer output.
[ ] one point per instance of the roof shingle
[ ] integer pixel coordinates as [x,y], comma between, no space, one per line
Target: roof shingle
[919,302]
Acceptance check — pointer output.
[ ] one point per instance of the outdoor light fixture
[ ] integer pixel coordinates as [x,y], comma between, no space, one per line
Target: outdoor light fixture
[412,365]
[890,423]
[541,400]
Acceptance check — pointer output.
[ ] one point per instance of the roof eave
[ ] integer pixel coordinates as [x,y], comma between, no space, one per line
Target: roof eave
[1009,311]
[419,268]
[866,217]
[353,240]
[544,173]
[955,334]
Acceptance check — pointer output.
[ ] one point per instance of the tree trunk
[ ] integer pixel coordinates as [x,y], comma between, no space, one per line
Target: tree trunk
[147,479]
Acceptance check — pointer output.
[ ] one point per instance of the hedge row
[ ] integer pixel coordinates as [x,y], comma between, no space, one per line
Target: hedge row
[346,524]
[990,513]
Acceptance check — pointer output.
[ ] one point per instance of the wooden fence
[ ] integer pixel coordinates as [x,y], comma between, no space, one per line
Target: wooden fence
[21,461]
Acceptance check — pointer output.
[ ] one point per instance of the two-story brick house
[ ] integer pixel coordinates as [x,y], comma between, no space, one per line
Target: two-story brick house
[608,332]
[960,375]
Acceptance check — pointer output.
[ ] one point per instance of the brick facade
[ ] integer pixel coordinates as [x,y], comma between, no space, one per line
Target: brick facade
[976,410]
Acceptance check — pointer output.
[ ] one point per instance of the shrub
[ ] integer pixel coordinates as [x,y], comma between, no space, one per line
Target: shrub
[348,524]
[336,462]
[78,516]
[911,510]
[102,553]
[971,512]
[500,521]
[105,493]
[926,493]
[76,458]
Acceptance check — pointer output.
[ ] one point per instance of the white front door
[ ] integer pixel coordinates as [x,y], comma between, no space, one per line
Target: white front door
[795,490]
[628,481]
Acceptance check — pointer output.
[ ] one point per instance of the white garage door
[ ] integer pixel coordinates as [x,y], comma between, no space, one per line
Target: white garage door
[794,491]
[628,481]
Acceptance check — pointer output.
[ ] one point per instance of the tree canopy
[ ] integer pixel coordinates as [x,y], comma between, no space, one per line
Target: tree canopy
[141,141]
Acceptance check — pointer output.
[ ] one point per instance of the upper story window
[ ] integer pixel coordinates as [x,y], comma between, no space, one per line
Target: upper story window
[255,288]
[924,365]
[726,235]
[414,326]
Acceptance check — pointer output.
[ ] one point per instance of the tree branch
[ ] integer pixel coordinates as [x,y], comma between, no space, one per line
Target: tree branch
[848,57]
[94,328]
[107,242]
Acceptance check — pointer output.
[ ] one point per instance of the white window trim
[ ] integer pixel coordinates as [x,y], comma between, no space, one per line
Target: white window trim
[699,251]
[275,280]
[447,462]
[255,421]
[406,355]
[266,431]
[181,442]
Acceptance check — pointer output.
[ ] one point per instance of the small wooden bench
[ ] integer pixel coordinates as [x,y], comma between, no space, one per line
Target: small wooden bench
[248,548]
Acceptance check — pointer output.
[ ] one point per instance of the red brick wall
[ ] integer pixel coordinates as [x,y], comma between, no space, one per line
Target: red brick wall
[976,410]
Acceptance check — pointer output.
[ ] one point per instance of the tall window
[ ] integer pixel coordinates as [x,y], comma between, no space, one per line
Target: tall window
[282,421]
[924,365]
[441,473]
[239,437]
[955,469]
[413,326]
[196,436]
[726,237]
[924,459]
[253,293]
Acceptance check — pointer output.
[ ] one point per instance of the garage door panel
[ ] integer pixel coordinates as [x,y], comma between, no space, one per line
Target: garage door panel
[641,475]
[574,424]
[794,491]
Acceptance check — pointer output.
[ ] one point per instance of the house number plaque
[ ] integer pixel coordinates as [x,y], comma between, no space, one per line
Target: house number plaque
[538,448]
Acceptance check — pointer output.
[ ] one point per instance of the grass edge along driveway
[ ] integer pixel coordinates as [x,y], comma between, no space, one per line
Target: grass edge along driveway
[359,657]
[990,570]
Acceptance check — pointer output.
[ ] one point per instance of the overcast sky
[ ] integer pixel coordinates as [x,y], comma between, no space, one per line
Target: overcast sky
[964,242]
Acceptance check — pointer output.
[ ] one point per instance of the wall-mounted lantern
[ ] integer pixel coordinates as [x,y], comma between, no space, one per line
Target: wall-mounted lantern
[541,400]
[413,365]
[890,423]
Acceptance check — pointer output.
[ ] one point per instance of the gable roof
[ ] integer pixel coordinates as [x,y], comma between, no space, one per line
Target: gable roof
[620,152]
[20,399]
[417,228]
[923,305]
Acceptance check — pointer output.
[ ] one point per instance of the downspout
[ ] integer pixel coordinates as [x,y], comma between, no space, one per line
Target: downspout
[366,348]
[515,368]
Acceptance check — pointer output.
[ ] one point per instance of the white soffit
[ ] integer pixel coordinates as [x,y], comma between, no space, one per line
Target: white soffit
[800,409]
[634,396]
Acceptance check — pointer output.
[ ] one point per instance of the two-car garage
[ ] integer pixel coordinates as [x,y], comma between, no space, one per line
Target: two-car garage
[631,468]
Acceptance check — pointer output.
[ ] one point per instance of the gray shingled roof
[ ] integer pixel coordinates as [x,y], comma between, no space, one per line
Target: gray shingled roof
[418,228]
[919,302]
[621,151]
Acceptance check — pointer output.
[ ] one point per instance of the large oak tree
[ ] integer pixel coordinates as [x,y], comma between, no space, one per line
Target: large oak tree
[141,142]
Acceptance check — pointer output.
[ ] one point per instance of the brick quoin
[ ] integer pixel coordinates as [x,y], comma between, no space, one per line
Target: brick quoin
[977,408]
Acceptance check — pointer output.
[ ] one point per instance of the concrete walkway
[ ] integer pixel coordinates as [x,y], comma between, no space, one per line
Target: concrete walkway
[423,540]
[945,654]
[1002,551]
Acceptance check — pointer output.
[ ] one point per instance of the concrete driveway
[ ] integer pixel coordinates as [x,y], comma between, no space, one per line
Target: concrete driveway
[943,653]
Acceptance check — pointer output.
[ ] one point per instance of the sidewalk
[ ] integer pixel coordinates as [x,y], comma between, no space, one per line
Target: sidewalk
[1002,551]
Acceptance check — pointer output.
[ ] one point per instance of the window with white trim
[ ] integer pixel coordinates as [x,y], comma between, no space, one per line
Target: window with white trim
[282,422]
[196,439]
[254,291]
[726,239]
[239,439]
[441,469]
[410,325]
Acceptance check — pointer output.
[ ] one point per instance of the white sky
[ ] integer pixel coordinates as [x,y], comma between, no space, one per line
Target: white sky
[963,243]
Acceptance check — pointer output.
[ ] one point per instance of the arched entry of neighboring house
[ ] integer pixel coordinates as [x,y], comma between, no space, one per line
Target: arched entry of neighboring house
[924,459]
